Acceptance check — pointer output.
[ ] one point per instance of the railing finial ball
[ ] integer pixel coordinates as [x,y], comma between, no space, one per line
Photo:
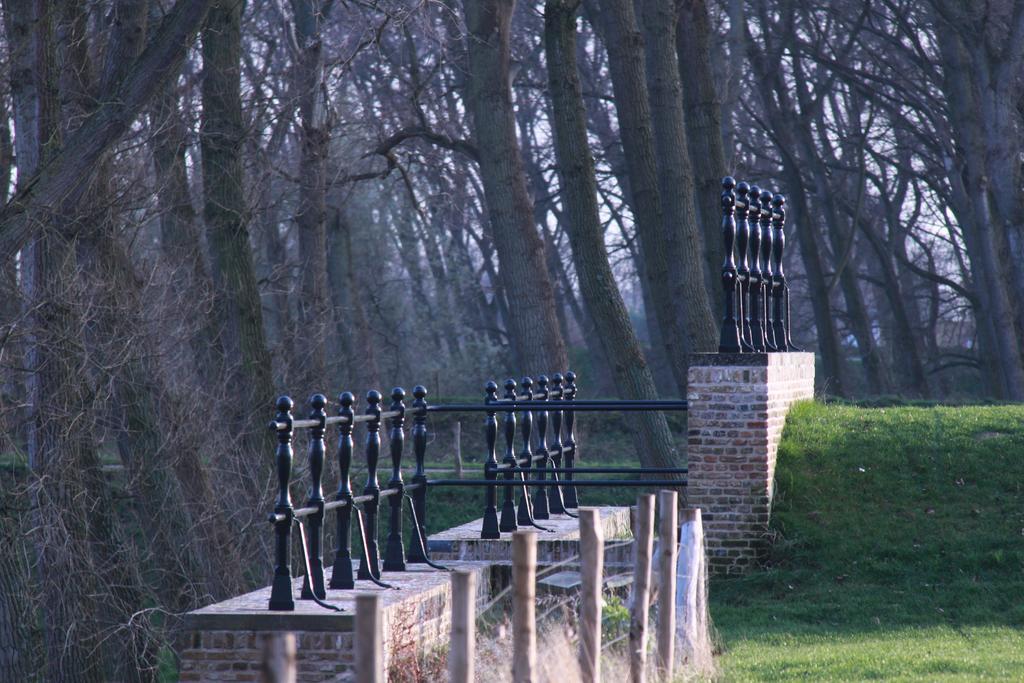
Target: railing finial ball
[419,391]
[347,399]
[742,189]
[766,197]
[373,397]
[728,182]
[398,394]
[510,384]
[556,378]
[526,383]
[491,387]
[542,381]
[778,201]
[318,401]
[285,404]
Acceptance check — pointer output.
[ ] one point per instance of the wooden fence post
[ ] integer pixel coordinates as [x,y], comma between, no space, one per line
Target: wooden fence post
[644,542]
[369,640]
[667,534]
[524,589]
[463,640]
[457,438]
[690,596]
[278,664]
[591,582]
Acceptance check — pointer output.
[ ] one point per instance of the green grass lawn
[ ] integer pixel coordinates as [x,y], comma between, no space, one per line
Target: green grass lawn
[897,553]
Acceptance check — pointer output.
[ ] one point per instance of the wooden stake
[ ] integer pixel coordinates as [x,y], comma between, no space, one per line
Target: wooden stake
[690,595]
[457,437]
[524,636]
[641,588]
[278,664]
[667,534]
[463,640]
[591,577]
[369,641]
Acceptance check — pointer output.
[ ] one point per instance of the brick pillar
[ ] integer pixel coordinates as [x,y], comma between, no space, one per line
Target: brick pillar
[738,405]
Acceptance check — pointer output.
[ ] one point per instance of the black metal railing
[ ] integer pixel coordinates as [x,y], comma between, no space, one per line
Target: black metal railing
[550,450]
[551,405]
[757,313]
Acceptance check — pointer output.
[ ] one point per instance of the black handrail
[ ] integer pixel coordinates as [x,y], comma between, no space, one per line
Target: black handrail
[545,460]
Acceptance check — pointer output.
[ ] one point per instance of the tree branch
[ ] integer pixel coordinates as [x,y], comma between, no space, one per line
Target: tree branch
[71,169]
[438,139]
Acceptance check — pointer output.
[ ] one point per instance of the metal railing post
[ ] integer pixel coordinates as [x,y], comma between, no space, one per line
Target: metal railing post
[490,524]
[418,554]
[371,567]
[508,506]
[742,267]
[394,556]
[313,584]
[729,341]
[555,505]
[755,306]
[341,576]
[568,489]
[781,320]
[540,497]
[767,274]
[525,512]
[281,589]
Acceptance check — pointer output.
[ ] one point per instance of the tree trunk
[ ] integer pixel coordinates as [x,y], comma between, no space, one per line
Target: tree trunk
[632,104]
[702,106]
[982,104]
[55,368]
[834,373]
[633,378]
[181,240]
[67,175]
[689,279]
[246,357]
[908,365]
[532,321]
[315,310]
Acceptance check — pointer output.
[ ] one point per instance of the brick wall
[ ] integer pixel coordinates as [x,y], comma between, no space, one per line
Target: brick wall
[223,642]
[737,408]
[237,656]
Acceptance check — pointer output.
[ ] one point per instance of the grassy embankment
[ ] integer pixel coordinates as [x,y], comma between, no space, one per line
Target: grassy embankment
[898,551]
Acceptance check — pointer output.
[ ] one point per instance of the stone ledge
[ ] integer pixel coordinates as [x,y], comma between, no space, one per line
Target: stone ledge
[249,612]
[757,360]
[464,542]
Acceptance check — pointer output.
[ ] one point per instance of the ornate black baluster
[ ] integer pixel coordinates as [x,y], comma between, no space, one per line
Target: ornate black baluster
[755,307]
[372,488]
[317,450]
[742,270]
[341,576]
[281,590]
[525,512]
[394,555]
[490,526]
[729,341]
[540,496]
[766,272]
[571,499]
[781,321]
[508,506]
[555,504]
[418,554]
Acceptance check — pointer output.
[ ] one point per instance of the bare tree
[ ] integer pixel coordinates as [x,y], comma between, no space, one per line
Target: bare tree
[601,295]
[533,324]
